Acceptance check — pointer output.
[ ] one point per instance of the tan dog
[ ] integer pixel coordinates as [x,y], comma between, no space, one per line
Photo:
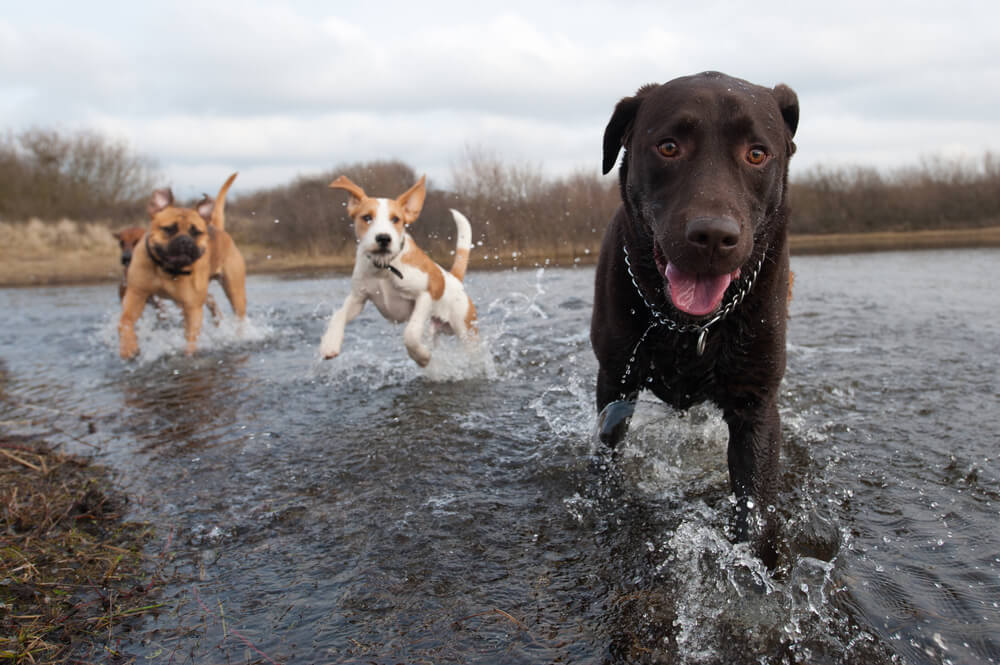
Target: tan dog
[180,252]
[398,277]
[127,239]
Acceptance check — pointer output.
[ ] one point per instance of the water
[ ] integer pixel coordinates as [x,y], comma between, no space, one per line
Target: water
[362,510]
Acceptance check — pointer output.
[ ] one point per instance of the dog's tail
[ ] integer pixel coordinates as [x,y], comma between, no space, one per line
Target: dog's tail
[218,219]
[463,245]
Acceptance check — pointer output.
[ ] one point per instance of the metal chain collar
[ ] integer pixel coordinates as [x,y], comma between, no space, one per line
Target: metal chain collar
[701,328]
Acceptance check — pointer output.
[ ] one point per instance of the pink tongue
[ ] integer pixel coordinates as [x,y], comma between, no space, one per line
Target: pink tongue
[694,294]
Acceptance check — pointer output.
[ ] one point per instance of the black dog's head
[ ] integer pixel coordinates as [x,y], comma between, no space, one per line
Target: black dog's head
[705,172]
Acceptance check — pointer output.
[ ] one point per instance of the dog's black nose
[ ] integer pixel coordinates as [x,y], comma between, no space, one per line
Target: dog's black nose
[715,235]
[383,240]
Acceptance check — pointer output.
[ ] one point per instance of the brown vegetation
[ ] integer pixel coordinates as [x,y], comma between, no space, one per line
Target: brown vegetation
[71,570]
[518,215]
[515,211]
[937,194]
[83,176]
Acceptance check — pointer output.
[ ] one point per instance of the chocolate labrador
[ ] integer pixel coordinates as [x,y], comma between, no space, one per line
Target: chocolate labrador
[692,282]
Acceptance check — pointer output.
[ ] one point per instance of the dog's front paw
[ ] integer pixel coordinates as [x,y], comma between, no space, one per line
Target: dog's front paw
[613,421]
[128,346]
[421,355]
[329,346]
[328,350]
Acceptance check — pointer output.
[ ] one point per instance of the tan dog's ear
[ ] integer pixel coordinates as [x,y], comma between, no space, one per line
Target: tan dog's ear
[162,198]
[357,194]
[205,207]
[412,201]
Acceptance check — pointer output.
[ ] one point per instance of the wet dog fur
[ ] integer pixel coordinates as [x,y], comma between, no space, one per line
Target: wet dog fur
[703,184]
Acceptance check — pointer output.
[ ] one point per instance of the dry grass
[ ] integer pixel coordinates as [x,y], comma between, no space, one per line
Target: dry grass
[64,252]
[71,569]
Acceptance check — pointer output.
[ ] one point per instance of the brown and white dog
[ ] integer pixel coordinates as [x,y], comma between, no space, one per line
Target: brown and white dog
[398,277]
[181,251]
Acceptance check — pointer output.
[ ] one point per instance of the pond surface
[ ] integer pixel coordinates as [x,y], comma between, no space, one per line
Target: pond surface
[363,510]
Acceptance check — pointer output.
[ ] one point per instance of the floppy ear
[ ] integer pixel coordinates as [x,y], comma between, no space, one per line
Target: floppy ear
[205,207]
[357,194]
[788,102]
[619,130]
[412,201]
[161,199]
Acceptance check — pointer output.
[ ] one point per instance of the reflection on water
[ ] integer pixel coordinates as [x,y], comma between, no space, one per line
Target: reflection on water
[365,510]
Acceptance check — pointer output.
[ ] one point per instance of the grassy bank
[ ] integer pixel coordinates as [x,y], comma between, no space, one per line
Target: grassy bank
[71,570]
[38,254]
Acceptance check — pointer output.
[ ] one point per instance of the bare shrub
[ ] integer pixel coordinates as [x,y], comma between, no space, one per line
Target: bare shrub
[517,209]
[82,176]
[935,194]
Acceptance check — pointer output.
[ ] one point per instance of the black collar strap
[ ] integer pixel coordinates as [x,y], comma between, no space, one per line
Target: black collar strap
[393,269]
[163,266]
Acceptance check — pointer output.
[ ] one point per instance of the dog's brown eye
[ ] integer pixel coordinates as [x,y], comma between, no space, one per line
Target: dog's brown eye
[170,230]
[669,149]
[395,219]
[756,156]
[366,218]
[194,232]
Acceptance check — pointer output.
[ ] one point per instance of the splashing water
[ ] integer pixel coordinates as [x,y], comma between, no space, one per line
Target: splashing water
[366,510]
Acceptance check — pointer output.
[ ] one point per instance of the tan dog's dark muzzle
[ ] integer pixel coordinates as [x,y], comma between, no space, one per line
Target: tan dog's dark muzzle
[178,255]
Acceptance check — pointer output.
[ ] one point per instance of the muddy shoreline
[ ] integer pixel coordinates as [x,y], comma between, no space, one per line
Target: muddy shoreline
[73,572]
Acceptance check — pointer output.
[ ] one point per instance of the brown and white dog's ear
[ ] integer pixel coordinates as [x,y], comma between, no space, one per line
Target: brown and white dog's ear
[357,194]
[205,207]
[162,198]
[412,200]
[788,103]
[619,130]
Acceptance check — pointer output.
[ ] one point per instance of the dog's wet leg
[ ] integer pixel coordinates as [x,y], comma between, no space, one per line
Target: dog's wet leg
[192,327]
[214,309]
[132,306]
[615,405]
[754,449]
[234,285]
[333,338]
[414,331]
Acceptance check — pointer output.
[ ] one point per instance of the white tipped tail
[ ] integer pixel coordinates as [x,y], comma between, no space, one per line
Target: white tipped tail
[463,244]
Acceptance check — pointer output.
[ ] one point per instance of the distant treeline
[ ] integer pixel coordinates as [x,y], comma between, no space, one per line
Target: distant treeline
[936,194]
[513,207]
[84,176]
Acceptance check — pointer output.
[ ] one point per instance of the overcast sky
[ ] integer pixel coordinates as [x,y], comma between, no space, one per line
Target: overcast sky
[276,90]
